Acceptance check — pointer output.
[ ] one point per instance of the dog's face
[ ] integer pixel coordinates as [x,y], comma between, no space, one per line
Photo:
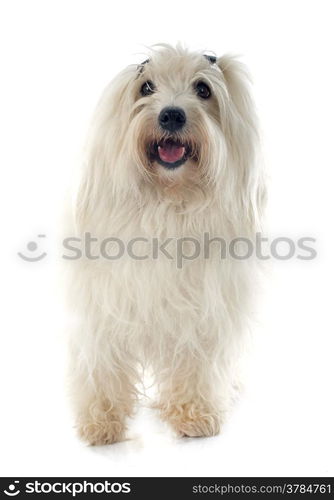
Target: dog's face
[176,125]
[176,115]
[182,120]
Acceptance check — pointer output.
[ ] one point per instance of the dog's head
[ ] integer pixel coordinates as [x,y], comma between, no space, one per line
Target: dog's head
[176,114]
[179,120]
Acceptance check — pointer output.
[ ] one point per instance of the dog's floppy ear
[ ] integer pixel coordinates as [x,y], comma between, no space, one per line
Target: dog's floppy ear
[238,81]
[110,119]
[242,134]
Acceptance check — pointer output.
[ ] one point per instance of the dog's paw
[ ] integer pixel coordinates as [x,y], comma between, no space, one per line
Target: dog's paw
[101,433]
[189,420]
[200,426]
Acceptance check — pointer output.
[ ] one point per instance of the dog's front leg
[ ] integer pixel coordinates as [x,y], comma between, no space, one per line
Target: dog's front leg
[103,392]
[188,395]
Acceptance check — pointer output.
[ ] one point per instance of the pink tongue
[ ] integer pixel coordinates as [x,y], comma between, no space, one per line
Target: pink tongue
[170,153]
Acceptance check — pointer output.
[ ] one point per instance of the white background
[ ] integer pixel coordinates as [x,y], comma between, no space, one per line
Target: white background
[56,57]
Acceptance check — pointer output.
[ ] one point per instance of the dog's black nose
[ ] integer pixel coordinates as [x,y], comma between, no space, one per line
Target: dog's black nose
[172,119]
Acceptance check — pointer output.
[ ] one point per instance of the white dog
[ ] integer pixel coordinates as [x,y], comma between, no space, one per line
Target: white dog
[172,156]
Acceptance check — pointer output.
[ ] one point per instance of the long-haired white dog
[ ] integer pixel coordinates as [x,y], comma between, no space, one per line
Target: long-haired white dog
[172,155]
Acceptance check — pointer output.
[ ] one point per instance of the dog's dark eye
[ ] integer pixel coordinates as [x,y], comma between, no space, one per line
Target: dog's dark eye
[147,88]
[202,90]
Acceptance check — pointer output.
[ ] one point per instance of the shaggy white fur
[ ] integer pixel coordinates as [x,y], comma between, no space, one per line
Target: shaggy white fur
[185,323]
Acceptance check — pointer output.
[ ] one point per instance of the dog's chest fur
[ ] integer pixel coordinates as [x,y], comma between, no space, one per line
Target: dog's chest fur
[162,284]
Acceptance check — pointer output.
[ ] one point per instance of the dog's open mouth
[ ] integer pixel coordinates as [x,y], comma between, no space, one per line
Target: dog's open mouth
[169,153]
